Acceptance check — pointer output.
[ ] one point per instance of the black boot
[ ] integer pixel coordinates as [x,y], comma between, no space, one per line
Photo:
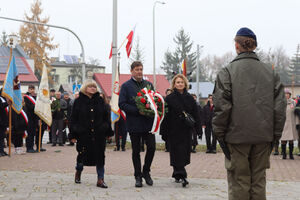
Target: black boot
[193,149]
[184,182]
[291,149]
[138,181]
[283,149]
[276,152]
[78,177]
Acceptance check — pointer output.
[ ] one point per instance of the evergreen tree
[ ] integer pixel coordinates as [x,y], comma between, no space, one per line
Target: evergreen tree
[138,52]
[173,60]
[36,39]
[294,71]
[4,39]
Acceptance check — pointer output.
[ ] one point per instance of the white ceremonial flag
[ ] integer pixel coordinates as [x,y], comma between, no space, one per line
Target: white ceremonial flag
[42,106]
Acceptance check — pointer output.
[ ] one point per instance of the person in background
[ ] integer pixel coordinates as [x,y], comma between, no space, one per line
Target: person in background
[297,112]
[52,98]
[194,135]
[3,122]
[30,99]
[68,102]
[57,108]
[208,113]
[90,125]
[164,137]
[18,129]
[289,134]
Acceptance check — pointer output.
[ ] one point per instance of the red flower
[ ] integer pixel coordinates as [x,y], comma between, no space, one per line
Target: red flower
[139,94]
[149,91]
[147,106]
[143,100]
[159,100]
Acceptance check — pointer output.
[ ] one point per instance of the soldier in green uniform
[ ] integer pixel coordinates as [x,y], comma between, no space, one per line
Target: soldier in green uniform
[249,115]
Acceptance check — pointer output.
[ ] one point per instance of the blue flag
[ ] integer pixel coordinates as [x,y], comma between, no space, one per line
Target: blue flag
[12,86]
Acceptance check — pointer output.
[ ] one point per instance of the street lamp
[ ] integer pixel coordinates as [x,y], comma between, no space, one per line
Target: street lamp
[154,73]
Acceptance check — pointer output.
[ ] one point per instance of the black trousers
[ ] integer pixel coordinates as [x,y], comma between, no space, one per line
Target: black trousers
[136,149]
[57,126]
[211,142]
[37,138]
[31,131]
[2,136]
[17,139]
[123,139]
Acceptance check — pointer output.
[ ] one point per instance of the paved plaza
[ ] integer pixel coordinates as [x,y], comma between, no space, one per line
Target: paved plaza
[50,175]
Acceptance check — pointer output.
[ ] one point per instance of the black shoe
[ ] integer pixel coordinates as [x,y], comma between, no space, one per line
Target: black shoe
[101,183]
[49,142]
[31,151]
[208,151]
[213,151]
[3,154]
[71,144]
[276,153]
[77,177]
[117,149]
[123,149]
[298,154]
[184,182]
[53,145]
[61,144]
[138,181]
[178,180]
[42,149]
[193,151]
[148,179]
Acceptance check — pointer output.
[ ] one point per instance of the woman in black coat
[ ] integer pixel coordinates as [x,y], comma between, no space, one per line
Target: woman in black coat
[90,125]
[178,133]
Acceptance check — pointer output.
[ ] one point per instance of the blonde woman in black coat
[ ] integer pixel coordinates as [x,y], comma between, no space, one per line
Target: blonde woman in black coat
[178,133]
[90,125]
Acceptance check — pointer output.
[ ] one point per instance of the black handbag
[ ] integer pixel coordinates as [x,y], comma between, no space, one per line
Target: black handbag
[188,119]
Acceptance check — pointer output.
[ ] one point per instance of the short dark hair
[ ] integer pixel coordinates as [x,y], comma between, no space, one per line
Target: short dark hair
[31,87]
[210,95]
[52,90]
[136,64]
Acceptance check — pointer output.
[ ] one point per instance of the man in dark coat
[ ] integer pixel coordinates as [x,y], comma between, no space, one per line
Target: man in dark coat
[57,108]
[137,124]
[32,128]
[208,113]
[250,113]
[3,123]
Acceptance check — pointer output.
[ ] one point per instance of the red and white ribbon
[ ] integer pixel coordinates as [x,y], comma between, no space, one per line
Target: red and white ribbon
[157,118]
[30,99]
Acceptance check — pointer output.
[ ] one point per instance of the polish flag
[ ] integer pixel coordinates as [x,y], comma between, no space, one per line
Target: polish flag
[130,41]
[110,54]
[183,66]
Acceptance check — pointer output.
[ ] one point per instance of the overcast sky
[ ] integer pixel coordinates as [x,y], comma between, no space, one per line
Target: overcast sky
[211,23]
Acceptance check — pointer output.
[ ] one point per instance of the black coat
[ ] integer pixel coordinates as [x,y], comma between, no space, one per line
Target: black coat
[3,114]
[207,115]
[90,124]
[178,134]
[19,123]
[29,105]
[135,122]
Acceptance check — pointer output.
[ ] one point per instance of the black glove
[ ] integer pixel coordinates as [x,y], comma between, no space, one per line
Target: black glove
[224,148]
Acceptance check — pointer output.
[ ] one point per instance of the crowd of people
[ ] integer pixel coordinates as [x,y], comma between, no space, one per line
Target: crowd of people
[247,114]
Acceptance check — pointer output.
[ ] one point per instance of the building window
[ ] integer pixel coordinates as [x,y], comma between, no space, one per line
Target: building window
[71,78]
[56,78]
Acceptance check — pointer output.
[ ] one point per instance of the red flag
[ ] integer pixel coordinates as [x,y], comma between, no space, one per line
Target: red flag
[184,67]
[130,41]
[110,54]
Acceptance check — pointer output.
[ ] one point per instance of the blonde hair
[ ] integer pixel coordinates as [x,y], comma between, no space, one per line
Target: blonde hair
[88,83]
[186,82]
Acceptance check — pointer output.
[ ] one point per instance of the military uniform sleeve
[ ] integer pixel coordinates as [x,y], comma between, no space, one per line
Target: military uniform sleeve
[279,107]
[222,98]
